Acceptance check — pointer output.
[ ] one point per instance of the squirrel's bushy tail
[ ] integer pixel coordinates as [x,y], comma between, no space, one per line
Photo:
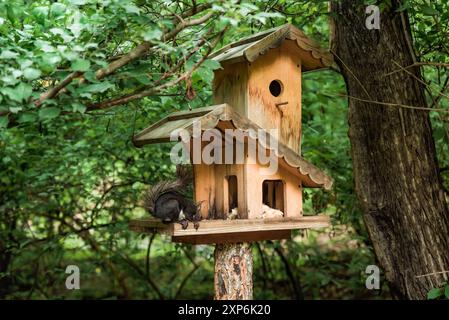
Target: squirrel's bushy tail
[184,176]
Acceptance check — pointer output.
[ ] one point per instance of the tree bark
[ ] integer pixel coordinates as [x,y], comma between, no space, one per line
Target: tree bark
[396,171]
[233,279]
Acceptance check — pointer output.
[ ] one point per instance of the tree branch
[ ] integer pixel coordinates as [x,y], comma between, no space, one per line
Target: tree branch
[184,281]
[150,281]
[419,64]
[147,264]
[420,81]
[55,90]
[297,288]
[389,104]
[139,94]
[443,90]
[135,53]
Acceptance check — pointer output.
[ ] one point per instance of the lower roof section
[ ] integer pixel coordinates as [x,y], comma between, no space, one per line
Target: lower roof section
[210,117]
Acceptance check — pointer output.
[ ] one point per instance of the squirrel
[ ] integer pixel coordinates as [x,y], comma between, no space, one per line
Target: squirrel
[165,200]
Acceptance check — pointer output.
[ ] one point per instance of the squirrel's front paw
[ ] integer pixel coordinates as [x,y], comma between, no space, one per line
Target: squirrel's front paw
[196,225]
[184,224]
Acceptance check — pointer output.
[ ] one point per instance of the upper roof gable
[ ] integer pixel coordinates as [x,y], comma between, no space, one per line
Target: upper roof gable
[250,48]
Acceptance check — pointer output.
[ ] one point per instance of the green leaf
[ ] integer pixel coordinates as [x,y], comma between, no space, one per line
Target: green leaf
[25,63]
[57,9]
[130,8]
[212,64]
[27,117]
[143,79]
[439,133]
[21,92]
[405,6]
[434,293]
[49,113]
[429,11]
[202,74]
[16,73]
[90,76]
[78,107]
[15,109]
[98,87]
[51,58]
[9,80]
[11,13]
[49,61]
[24,90]
[446,291]
[8,54]
[40,13]
[78,2]
[80,65]
[4,121]
[263,16]
[152,34]
[31,73]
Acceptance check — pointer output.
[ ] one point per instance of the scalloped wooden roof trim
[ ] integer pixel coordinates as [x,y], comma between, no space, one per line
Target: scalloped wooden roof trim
[251,48]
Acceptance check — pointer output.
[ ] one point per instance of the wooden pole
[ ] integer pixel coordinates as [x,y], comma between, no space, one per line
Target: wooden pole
[233,277]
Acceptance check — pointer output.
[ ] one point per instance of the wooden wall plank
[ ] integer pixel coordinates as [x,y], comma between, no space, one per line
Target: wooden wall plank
[205,188]
[282,64]
[230,86]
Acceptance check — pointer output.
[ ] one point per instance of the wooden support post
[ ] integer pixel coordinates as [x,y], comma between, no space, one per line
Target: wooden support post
[233,277]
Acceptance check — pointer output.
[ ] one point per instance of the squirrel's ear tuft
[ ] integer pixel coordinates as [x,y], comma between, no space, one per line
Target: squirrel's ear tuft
[184,178]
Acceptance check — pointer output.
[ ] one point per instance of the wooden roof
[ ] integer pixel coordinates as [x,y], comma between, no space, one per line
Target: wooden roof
[251,48]
[209,118]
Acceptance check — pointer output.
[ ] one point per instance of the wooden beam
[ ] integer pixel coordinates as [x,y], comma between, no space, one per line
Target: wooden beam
[151,225]
[236,237]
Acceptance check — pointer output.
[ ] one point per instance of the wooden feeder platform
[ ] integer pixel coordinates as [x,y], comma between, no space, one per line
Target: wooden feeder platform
[230,231]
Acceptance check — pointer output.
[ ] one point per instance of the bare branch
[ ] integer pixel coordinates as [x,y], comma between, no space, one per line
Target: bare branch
[442,91]
[184,281]
[419,80]
[352,73]
[389,104]
[432,274]
[419,64]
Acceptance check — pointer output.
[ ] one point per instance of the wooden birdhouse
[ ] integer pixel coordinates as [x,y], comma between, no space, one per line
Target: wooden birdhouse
[254,172]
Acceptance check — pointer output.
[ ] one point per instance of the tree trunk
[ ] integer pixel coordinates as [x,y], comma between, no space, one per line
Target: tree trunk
[233,279]
[396,172]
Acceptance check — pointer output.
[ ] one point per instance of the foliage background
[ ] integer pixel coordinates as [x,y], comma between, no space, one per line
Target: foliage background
[71,178]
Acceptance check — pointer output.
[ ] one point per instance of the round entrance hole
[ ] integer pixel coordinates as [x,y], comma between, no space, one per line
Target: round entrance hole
[275,88]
